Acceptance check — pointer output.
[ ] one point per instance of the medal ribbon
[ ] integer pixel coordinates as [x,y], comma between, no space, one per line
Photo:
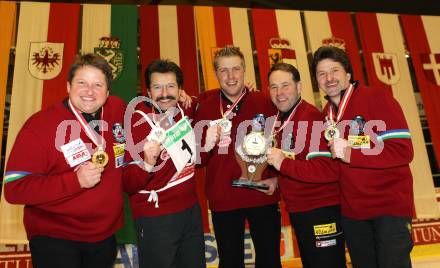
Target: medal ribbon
[225,115]
[85,126]
[155,124]
[342,105]
[274,132]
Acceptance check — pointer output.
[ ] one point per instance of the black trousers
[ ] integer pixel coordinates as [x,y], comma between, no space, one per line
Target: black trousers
[48,252]
[265,229]
[172,241]
[383,242]
[320,238]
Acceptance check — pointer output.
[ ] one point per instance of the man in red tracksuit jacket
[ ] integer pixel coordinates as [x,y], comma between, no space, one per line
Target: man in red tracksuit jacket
[368,132]
[163,201]
[73,205]
[313,207]
[377,189]
[231,206]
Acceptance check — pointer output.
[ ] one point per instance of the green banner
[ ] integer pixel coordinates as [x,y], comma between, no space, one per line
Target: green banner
[124,23]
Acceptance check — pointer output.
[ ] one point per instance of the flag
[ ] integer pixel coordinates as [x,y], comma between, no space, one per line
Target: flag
[279,37]
[7,28]
[218,27]
[170,33]
[111,31]
[387,68]
[43,28]
[424,47]
[334,29]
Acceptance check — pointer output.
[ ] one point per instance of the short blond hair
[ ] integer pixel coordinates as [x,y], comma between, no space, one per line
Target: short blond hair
[228,51]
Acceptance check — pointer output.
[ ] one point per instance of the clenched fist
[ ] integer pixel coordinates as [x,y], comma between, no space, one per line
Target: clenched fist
[212,137]
[340,149]
[151,152]
[275,157]
[88,174]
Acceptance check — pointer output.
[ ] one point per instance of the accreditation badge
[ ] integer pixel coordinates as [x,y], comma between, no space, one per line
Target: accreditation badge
[119,150]
[75,152]
[359,142]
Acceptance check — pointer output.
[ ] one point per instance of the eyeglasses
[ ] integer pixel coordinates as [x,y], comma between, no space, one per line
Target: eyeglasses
[170,86]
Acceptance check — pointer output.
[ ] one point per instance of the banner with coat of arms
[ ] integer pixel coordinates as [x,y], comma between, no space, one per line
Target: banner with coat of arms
[55,45]
[387,68]
[334,29]
[111,31]
[172,35]
[421,33]
[7,28]
[279,37]
[218,27]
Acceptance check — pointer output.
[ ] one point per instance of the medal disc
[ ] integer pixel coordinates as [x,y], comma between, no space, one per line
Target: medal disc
[331,132]
[100,158]
[157,134]
[226,125]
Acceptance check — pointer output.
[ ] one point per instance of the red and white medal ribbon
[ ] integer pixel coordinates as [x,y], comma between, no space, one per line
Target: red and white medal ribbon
[342,107]
[274,132]
[87,129]
[157,133]
[225,115]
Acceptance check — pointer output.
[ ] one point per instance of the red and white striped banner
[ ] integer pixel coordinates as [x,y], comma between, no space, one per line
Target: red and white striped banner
[334,29]
[387,68]
[423,42]
[218,27]
[168,32]
[279,37]
[45,39]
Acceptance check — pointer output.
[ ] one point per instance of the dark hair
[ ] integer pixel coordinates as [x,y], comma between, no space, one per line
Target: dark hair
[228,51]
[334,54]
[163,66]
[93,60]
[288,68]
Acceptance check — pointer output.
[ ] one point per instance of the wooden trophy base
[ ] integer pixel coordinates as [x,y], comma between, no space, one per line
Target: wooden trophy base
[250,175]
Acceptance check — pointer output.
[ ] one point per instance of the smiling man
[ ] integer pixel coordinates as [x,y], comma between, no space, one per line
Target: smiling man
[64,168]
[377,189]
[231,105]
[313,207]
[162,190]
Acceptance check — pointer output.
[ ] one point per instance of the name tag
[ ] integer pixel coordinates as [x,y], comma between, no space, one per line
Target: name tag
[119,151]
[75,152]
[359,142]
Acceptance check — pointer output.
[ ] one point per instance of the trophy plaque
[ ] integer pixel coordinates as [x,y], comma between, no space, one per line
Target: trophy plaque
[251,156]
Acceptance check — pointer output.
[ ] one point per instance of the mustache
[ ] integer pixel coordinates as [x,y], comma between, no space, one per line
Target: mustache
[165,98]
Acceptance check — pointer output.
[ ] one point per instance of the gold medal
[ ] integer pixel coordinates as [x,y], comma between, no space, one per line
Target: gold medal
[100,158]
[331,132]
